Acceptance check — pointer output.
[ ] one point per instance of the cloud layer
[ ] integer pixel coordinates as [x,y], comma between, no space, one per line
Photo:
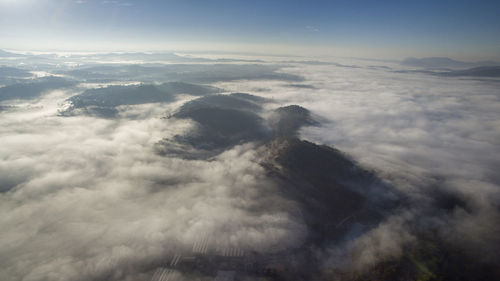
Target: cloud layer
[90,198]
[434,139]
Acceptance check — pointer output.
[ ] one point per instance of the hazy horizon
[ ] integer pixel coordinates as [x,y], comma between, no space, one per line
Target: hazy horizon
[462,30]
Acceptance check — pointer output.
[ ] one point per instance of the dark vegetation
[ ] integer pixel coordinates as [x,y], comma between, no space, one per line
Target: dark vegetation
[190,73]
[34,89]
[102,102]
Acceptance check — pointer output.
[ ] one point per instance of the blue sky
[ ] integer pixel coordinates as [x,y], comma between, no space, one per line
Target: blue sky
[459,29]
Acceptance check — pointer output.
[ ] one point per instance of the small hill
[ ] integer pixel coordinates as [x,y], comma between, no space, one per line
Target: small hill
[102,102]
[34,89]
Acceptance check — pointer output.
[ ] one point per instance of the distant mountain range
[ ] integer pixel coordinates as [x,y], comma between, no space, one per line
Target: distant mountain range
[133,56]
[477,72]
[443,62]
[483,71]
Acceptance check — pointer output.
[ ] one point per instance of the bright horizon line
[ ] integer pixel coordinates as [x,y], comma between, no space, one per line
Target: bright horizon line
[247,49]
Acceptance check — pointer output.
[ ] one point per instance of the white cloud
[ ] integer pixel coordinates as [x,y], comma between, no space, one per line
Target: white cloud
[118,3]
[312,28]
[400,124]
[422,133]
[91,197]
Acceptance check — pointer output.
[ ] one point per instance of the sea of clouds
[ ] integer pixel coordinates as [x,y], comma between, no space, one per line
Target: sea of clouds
[89,197]
[426,135]
[86,198]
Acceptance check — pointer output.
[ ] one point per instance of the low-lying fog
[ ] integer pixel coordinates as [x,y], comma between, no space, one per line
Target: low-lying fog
[105,175]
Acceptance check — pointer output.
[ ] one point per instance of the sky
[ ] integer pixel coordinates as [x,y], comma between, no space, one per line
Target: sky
[468,30]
